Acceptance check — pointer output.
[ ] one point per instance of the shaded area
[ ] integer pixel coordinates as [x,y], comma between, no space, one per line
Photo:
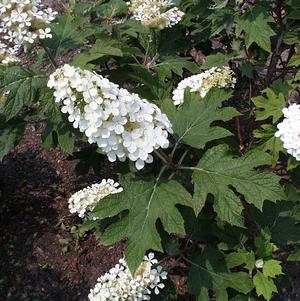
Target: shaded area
[40,259]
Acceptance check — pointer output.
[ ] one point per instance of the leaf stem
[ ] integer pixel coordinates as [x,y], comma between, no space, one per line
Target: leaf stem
[174,149]
[161,156]
[179,163]
[186,168]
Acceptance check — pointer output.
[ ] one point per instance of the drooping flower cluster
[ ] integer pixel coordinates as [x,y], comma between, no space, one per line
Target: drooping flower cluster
[155,13]
[203,82]
[86,199]
[289,130]
[22,22]
[121,123]
[8,55]
[119,285]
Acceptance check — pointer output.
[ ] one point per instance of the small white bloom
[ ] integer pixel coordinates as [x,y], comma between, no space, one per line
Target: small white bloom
[118,284]
[259,264]
[86,199]
[155,13]
[203,82]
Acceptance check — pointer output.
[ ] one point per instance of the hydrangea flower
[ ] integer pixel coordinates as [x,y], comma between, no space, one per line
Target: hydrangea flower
[289,130]
[203,82]
[86,199]
[119,285]
[22,22]
[155,13]
[121,123]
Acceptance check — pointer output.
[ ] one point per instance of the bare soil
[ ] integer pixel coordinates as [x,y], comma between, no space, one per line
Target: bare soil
[39,257]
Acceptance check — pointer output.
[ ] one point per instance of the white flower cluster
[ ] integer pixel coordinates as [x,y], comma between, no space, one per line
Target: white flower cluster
[289,130]
[8,55]
[87,198]
[121,123]
[155,13]
[22,22]
[119,285]
[203,82]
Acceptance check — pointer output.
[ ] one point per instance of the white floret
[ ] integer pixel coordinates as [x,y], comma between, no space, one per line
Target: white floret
[86,199]
[119,285]
[203,82]
[121,123]
[289,130]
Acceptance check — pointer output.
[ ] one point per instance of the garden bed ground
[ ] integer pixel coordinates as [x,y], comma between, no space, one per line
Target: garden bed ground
[39,258]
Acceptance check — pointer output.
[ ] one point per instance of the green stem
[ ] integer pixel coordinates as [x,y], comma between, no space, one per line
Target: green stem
[179,164]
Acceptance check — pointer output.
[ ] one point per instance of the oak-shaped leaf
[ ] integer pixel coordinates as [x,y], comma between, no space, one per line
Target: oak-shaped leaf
[192,122]
[268,142]
[264,285]
[218,172]
[209,272]
[255,24]
[11,133]
[269,106]
[68,33]
[20,87]
[146,201]
[272,268]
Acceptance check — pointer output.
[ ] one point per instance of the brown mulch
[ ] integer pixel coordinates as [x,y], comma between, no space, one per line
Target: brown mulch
[39,257]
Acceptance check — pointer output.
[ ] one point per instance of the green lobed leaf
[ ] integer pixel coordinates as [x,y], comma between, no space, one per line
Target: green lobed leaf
[264,286]
[11,133]
[110,9]
[271,105]
[216,60]
[221,20]
[268,142]
[175,65]
[294,256]
[192,122]
[218,171]
[24,87]
[68,33]
[272,268]
[264,245]
[58,130]
[282,220]
[255,25]
[146,202]
[151,86]
[241,258]
[208,270]
[103,47]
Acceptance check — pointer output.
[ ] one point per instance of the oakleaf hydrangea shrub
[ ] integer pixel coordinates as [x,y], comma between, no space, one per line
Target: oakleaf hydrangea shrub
[195,105]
